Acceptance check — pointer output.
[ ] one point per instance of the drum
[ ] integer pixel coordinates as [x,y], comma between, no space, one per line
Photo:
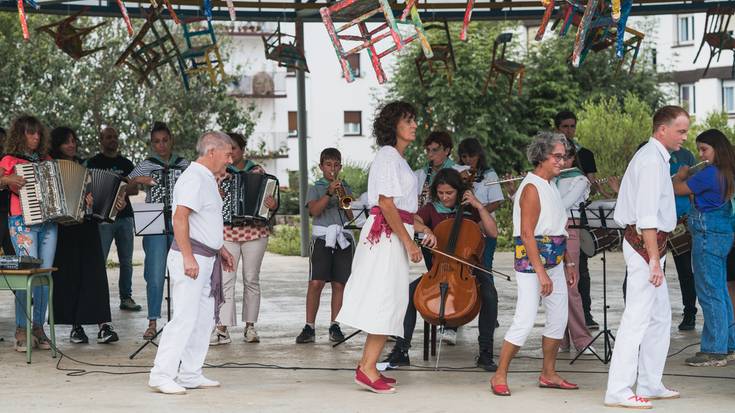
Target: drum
[680,239]
[596,240]
[601,211]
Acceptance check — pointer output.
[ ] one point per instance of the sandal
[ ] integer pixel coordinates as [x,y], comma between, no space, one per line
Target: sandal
[150,333]
[40,339]
[564,385]
[500,389]
[20,340]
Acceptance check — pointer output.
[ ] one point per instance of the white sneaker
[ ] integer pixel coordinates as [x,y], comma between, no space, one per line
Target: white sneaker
[200,383]
[666,394]
[214,338]
[170,388]
[450,337]
[251,336]
[564,349]
[633,402]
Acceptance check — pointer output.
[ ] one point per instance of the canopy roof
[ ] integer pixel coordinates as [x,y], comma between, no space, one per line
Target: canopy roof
[285,10]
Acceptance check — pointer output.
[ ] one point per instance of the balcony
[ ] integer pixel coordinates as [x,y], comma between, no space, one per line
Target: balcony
[261,85]
[268,145]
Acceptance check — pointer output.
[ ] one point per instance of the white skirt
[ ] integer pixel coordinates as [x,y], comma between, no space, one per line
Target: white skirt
[376,294]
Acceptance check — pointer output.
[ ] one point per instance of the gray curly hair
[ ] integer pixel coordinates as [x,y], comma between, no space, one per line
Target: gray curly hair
[542,145]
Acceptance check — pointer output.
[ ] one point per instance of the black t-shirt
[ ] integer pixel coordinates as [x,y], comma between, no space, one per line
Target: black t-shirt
[119,165]
[587,161]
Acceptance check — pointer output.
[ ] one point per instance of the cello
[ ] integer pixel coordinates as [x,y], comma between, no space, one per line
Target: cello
[447,294]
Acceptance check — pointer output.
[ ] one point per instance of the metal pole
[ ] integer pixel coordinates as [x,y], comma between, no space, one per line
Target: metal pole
[301,127]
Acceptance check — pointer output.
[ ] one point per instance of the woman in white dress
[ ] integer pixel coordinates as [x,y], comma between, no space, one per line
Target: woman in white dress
[539,236]
[376,294]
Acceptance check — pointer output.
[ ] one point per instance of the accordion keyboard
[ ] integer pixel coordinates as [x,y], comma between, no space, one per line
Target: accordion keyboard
[30,195]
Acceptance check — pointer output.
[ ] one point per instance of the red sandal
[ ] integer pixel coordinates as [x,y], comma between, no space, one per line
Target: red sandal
[500,389]
[564,385]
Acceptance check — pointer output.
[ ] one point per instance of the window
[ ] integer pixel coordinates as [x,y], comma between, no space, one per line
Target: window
[354,61]
[293,124]
[685,29]
[728,97]
[687,98]
[290,71]
[353,123]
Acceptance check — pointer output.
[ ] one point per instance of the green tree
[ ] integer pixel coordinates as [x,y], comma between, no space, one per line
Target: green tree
[40,79]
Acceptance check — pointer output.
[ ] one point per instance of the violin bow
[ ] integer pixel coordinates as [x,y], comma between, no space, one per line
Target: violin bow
[477,267]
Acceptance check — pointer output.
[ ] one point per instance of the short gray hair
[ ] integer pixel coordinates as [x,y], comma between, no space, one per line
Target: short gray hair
[542,145]
[213,140]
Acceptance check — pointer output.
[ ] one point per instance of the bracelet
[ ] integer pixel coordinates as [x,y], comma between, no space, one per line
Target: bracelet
[570,264]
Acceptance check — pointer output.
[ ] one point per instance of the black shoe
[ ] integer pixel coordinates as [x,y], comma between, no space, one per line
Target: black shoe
[335,333]
[687,324]
[592,324]
[397,358]
[107,335]
[129,304]
[307,335]
[485,361]
[78,336]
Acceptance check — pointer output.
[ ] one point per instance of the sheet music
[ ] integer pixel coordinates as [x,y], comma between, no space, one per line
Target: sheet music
[148,218]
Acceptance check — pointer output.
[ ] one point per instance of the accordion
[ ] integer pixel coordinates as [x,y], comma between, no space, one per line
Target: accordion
[106,187]
[244,197]
[163,191]
[54,191]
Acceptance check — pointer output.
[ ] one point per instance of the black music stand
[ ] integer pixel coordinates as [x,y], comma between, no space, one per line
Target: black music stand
[152,214]
[603,215]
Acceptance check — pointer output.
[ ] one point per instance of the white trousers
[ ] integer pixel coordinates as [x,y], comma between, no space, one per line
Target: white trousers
[555,305]
[185,339]
[642,342]
[252,253]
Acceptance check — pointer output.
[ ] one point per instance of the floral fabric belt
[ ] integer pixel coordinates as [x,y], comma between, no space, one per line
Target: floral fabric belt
[550,247]
[636,241]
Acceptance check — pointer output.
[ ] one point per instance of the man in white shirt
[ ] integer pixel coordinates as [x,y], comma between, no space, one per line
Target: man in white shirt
[646,201]
[195,266]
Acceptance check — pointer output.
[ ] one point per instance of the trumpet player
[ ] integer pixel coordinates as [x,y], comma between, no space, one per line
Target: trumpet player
[332,246]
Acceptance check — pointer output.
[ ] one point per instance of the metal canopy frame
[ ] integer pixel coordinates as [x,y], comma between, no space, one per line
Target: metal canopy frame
[288,11]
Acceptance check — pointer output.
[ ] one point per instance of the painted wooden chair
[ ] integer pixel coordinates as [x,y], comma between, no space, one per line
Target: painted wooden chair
[357,13]
[152,48]
[716,34]
[202,55]
[282,48]
[443,55]
[500,65]
[70,39]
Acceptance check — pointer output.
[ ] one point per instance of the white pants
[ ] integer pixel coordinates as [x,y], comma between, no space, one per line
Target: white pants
[555,305]
[252,253]
[185,339]
[642,342]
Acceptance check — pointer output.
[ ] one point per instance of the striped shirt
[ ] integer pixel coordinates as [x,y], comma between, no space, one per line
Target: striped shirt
[154,163]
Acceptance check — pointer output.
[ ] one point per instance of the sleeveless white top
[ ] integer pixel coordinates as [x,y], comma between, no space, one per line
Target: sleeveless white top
[552,218]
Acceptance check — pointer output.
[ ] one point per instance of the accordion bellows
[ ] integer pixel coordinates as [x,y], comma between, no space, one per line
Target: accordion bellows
[54,191]
[106,188]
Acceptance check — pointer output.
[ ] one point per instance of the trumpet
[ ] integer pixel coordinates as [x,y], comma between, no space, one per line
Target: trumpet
[345,201]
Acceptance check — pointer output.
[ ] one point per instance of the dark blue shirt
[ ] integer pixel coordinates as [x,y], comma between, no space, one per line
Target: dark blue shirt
[678,159]
[707,188]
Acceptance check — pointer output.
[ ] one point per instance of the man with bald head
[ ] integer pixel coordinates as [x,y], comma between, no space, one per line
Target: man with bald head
[109,159]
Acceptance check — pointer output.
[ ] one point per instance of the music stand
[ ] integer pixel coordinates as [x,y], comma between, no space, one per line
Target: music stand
[602,215]
[153,219]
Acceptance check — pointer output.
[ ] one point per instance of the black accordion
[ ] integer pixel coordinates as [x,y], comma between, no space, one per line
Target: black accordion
[163,191]
[244,197]
[106,188]
[54,191]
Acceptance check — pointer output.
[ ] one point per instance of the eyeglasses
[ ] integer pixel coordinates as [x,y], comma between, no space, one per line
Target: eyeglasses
[558,157]
[435,150]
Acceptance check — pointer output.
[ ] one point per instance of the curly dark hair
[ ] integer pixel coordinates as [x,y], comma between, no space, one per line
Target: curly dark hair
[451,177]
[16,140]
[59,136]
[442,138]
[385,123]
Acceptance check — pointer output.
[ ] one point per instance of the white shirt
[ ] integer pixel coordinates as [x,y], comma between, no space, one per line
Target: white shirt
[391,176]
[197,190]
[574,191]
[552,218]
[646,196]
[487,194]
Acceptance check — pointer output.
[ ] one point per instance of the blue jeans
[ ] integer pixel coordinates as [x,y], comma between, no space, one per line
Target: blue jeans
[712,236]
[122,232]
[154,271]
[36,241]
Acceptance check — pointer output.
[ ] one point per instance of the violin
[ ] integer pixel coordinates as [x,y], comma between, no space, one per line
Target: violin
[448,293]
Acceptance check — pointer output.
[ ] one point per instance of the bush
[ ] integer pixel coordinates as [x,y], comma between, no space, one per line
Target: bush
[289,201]
[285,240]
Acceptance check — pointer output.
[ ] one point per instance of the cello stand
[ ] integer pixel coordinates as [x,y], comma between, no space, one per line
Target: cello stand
[607,335]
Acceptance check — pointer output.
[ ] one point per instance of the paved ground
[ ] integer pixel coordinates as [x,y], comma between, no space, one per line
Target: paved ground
[277,375]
